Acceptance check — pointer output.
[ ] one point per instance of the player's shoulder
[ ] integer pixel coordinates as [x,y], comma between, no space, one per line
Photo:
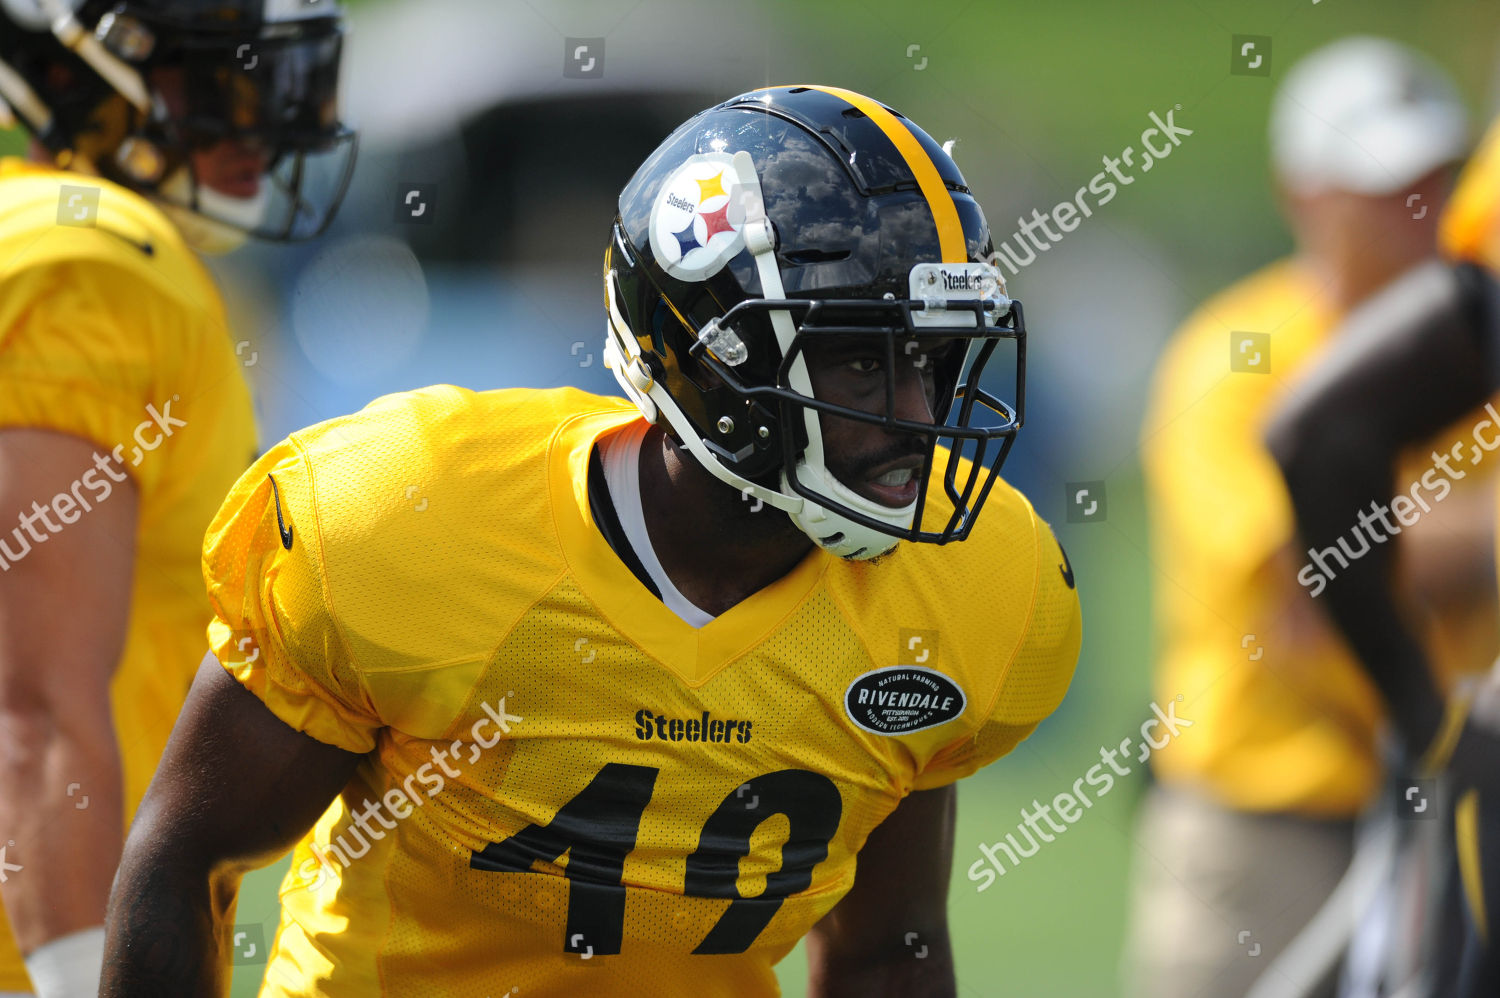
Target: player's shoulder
[387,512]
[1002,556]
[1269,290]
[99,241]
[1002,552]
[1275,303]
[980,600]
[439,427]
[1008,520]
[50,214]
[430,465]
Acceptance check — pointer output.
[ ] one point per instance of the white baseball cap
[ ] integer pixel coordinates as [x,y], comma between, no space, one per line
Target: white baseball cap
[1365,115]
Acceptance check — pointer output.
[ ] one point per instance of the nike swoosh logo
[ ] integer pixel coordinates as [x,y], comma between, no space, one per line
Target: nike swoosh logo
[286,532]
[145,248]
[1066,568]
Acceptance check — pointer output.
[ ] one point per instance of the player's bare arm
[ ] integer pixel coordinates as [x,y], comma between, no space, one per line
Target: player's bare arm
[1412,361]
[889,934]
[63,607]
[235,790]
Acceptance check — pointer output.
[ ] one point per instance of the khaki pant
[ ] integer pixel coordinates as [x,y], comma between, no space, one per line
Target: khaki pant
[1218,893]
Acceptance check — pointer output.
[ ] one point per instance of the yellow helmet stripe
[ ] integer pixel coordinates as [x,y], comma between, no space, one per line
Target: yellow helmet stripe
[950,230]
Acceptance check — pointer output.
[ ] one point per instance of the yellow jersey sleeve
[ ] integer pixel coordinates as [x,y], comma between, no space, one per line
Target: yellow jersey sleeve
[113,332]
[77,365]
[273,627]
[1470,228]
[1035,680]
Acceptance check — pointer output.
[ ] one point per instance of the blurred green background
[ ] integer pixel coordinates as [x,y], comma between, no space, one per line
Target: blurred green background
[1035,94]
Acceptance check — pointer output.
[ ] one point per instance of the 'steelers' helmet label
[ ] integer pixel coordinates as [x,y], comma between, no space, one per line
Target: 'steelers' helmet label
[937,285]
[698,216]
[903,699]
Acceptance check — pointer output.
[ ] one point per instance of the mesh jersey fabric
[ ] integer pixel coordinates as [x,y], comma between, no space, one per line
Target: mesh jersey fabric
[616,789]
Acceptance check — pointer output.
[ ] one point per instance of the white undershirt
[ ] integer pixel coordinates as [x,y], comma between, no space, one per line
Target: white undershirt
[620,454]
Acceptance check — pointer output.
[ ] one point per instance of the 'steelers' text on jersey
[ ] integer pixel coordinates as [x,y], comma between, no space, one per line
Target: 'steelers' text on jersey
[568,789]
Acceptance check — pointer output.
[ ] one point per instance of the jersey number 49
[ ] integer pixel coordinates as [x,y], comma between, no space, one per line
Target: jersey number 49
[597,829]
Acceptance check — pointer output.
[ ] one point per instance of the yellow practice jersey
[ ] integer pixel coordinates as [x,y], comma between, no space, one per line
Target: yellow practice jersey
[568,790]
[112,331]
[1288,716]
[1471,222]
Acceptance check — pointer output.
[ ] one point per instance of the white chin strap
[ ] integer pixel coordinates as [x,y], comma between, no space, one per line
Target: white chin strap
[832,531]
[220,224]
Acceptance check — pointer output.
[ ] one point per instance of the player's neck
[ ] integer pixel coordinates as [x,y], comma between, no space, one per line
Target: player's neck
[716,548]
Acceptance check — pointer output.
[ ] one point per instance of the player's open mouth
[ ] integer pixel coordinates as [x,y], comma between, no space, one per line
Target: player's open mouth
[893,484]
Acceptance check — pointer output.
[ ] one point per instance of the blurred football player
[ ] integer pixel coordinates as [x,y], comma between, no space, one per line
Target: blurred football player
[607,695]
[1412,359]
[1250,823]
[157,127]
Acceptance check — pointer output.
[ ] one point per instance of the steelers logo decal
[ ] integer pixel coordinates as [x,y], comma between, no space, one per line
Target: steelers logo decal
[698,216]
[903,699]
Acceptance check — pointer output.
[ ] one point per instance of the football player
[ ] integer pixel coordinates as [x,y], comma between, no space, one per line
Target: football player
[157,127]
[1413,359]
[607,696]
[1251,822]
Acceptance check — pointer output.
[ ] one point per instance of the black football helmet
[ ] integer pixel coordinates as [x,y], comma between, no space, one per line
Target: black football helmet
[149,92]
[789,214]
